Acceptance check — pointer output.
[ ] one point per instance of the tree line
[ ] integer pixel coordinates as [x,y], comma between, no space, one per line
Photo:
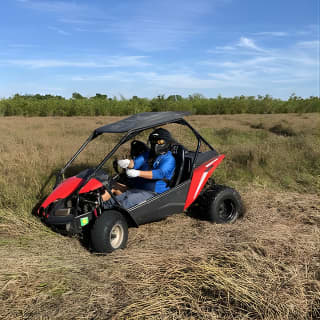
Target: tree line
[102,105]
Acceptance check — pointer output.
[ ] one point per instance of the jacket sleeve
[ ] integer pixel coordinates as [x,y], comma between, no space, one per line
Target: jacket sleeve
[140,160]
[165,169]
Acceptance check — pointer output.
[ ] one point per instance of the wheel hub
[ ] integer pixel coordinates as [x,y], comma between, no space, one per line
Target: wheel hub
[227,210]
[116,236]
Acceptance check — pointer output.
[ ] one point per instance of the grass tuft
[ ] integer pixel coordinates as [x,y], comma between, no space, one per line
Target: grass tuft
[257,125]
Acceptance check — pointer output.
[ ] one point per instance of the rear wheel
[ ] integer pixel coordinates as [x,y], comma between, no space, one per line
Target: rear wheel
[109,232]
[222,204]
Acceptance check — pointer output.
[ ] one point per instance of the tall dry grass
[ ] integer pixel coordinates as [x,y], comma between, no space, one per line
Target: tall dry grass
[265,266]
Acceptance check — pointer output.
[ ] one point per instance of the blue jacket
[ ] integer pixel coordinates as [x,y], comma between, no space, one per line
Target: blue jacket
[163,168]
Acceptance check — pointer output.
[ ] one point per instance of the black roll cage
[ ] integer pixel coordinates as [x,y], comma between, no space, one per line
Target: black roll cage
[128,136]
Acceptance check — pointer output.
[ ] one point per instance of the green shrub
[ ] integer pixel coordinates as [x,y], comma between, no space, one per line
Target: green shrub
[101,105]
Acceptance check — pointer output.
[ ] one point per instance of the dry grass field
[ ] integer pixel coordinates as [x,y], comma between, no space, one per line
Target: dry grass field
[264,266]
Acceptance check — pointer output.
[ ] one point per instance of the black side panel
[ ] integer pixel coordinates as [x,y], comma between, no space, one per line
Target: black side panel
[202,156]
[162,205]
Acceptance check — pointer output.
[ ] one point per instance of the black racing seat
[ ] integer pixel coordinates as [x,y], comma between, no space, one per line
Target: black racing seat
[178,152]
[137,147]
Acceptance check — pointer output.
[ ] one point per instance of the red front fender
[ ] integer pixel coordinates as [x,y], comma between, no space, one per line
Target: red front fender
[65,188]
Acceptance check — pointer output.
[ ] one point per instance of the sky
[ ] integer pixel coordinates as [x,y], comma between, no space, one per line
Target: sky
[150,47]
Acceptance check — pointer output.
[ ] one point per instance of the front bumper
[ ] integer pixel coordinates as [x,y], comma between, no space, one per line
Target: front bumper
[64,217]
[60,220]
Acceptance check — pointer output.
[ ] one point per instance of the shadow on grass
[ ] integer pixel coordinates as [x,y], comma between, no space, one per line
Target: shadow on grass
[197,211]
[281,130]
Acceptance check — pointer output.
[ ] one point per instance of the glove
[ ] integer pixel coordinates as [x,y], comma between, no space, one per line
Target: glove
[124,163]
[133,173]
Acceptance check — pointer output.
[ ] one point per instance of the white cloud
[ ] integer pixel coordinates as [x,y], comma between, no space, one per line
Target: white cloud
[107,62]
[85,21]
[60,31]
[248,44]
[149,34]
[22,45]
[249,65]
[312,29]
[253,62]
[244,46]
[223,49]
[170,81]
[314,44]
[272,33]
[179,81]
[54,6]
[151,25]
[261,70]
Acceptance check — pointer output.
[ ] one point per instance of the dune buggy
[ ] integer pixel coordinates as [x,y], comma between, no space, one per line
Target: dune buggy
[75,203]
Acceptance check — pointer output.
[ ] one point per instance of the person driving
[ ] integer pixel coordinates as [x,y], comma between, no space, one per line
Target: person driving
[148,173]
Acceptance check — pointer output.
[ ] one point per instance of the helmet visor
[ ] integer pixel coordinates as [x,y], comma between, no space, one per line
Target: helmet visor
[155,140]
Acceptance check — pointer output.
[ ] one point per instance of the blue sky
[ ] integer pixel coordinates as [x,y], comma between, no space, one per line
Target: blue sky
[152,47]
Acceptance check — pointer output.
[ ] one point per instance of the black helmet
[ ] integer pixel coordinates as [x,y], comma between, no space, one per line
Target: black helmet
[160,141]
[137,148]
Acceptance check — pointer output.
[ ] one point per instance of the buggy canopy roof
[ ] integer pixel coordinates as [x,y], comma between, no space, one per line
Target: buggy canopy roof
[141,121]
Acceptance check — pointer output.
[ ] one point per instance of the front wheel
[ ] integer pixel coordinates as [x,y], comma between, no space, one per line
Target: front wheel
[109,232]
[223,204]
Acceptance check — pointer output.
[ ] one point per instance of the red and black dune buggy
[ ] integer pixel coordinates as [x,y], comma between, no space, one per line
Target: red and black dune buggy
[75,203]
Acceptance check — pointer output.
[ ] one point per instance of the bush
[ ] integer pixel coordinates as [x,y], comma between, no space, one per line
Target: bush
[101,105]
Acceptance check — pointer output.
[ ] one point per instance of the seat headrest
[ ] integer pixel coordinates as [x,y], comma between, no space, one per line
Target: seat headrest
[177,148]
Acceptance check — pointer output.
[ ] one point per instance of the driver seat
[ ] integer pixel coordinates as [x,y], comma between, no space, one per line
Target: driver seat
[178,152]
[137,147]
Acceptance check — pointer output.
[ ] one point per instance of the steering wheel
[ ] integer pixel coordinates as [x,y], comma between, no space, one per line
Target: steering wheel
[115,166]
[105,178]
[120,176]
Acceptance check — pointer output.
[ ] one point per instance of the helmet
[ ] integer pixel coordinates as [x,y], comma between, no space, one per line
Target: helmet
[160,141]
[137,148]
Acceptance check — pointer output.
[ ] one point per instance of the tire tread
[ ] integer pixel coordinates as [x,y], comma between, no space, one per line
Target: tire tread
[104,225]
[209,196]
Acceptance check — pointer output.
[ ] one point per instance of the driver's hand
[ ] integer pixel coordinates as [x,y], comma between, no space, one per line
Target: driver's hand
[124,163]
[133,173]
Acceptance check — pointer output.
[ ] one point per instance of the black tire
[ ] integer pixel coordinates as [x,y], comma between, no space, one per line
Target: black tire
[109,232]
[222,204]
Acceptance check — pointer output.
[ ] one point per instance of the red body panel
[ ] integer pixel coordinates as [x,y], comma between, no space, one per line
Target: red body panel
[65,188]
[200,177]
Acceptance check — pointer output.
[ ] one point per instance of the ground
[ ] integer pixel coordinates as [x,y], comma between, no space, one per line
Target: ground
[264,266]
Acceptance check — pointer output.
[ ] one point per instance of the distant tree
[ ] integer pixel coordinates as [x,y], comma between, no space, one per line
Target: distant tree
[174,97]
[293,96]
[77,95]
[101,104]
[100,96]
[196,96]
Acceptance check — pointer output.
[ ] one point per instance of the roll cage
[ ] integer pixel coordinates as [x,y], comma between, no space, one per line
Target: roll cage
[131,127]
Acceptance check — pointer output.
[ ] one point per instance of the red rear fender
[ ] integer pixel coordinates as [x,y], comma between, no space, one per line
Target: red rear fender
[200,177]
